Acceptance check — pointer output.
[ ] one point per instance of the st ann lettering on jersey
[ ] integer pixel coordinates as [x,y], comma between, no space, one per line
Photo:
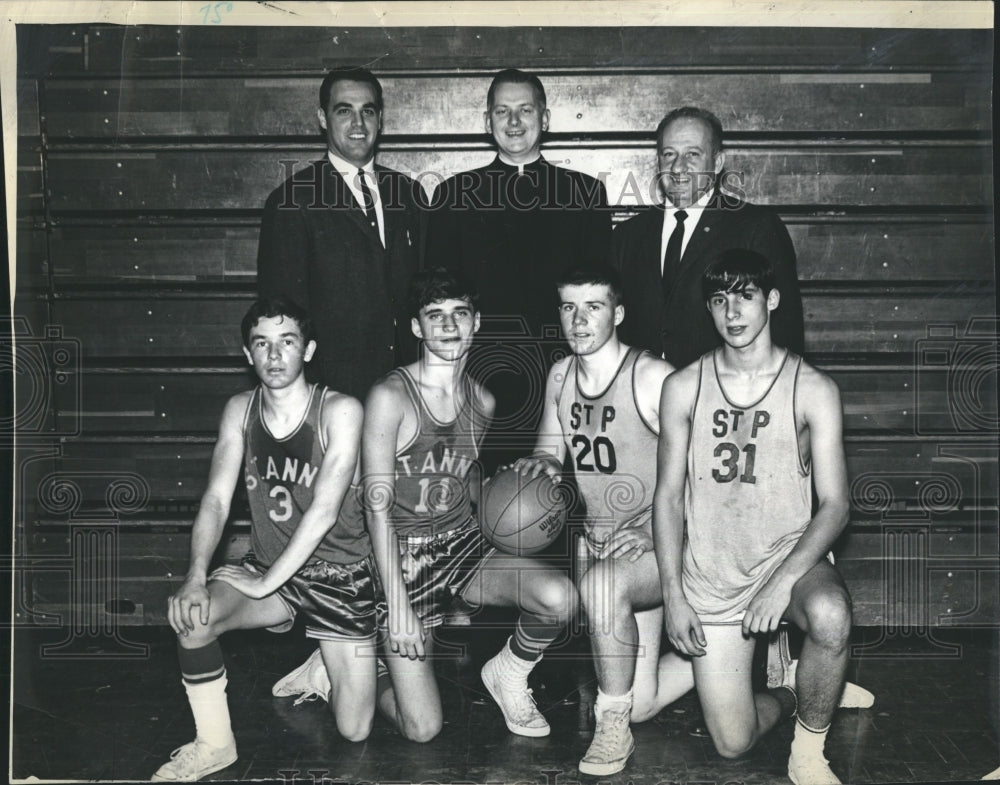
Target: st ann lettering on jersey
[293,472]
[441,459]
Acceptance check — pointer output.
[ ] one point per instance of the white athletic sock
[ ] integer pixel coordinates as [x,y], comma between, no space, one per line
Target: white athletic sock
[613,702]
[515,669]
[808,742]
[211,712]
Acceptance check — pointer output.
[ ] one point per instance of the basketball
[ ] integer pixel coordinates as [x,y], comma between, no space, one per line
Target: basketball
[522,516]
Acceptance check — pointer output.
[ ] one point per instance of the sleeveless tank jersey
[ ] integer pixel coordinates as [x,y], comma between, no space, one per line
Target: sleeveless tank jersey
[280,477]
[748,494]
[432,471]
[613,450]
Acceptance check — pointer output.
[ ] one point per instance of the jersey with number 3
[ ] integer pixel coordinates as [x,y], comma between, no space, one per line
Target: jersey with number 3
[748,495]
[281,477]
[613,450]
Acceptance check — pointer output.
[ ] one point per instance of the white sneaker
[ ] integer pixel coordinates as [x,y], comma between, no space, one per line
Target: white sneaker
[853,696]
[811,771]
[193,761]
[612,745]
[309,681]
[509,688]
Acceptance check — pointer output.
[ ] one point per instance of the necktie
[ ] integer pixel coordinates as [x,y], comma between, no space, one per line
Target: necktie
[368,203]
[672,257]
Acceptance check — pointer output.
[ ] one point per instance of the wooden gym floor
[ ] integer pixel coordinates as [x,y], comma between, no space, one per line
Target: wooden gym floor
[94,709]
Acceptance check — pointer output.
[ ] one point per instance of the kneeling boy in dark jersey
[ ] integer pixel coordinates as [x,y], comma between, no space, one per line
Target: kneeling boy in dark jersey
[297,446]
[423,426]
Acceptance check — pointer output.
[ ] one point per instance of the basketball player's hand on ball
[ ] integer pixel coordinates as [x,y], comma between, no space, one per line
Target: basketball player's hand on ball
[630,543]
[768,605]
[243,580]
[406,633]
[684,628]
[192,594]
[534,465]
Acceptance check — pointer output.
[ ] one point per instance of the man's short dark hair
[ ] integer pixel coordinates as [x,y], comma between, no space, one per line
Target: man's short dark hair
[433,286]
[595,275]
[736,269]
[349,75]
[514,76]
[694,113]
[271,307]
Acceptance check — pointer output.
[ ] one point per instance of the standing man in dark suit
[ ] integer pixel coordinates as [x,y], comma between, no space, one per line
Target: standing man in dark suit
[511,228]
[341,239]
[663,252]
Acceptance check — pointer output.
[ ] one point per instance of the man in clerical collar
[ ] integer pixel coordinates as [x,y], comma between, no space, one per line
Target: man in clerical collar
[511,227]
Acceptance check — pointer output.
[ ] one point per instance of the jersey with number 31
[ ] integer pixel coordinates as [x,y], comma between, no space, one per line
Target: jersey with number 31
[748,495]
[281,476]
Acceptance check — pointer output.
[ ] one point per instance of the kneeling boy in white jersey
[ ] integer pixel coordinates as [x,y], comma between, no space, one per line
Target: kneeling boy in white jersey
[746,432]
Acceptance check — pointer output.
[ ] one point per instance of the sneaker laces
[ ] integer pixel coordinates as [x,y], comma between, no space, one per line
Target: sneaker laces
[609,735]
[185,760]
[520,696]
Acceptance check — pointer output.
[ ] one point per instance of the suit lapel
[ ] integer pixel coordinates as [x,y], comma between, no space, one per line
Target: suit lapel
[652,241]
[343,199]
[705,233]
[388,193]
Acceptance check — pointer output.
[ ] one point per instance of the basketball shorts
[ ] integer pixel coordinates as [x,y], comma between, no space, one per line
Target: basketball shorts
[339,601]
[437,568]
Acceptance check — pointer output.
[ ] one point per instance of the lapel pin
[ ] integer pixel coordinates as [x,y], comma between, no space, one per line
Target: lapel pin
[409,241]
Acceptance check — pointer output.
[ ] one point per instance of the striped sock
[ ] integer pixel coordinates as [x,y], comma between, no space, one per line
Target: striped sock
[204,677]
[201,664]
[532,635]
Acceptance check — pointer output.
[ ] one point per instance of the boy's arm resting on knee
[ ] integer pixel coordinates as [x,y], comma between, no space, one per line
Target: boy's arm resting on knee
[818,401]
[550,447]
[342,419]
[227,460]
[384,412]
[676,400]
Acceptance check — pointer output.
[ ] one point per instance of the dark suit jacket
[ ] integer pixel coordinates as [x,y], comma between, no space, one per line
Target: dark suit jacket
[512,235]
[318,247]
[680,326]
[513,252]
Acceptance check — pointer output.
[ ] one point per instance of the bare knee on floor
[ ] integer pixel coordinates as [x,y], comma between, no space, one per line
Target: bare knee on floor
[732,743]
[643,711]
[354,728]
[421,728]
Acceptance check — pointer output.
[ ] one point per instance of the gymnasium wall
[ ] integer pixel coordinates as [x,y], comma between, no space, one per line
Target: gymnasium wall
[145,154]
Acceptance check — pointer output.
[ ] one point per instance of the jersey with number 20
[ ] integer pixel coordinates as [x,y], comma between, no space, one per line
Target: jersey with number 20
[612,448]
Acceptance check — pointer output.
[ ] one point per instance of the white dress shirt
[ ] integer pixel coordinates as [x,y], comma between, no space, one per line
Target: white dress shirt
[350,174]
[690,223]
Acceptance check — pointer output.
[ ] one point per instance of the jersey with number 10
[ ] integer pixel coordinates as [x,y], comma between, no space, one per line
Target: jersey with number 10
[432,471]
[281,476]
[748,495]
[613,450]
